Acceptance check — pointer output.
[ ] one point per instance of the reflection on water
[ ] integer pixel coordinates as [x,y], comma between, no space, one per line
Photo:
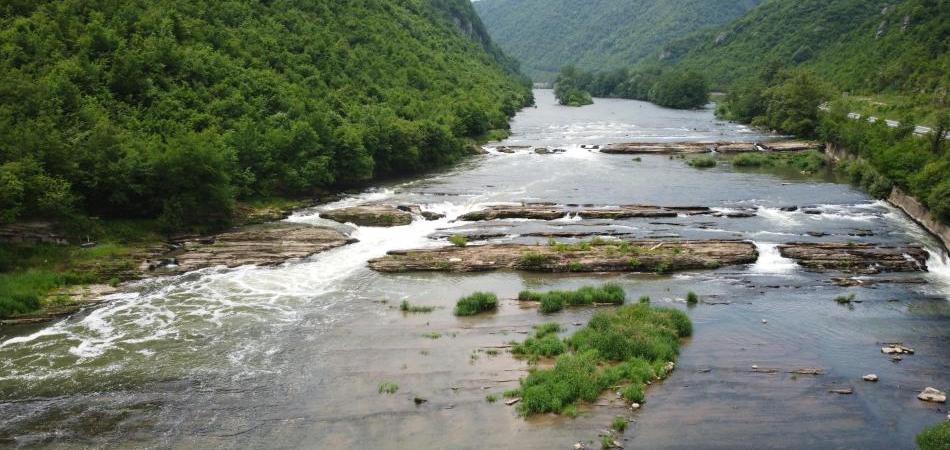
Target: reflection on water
[291,356]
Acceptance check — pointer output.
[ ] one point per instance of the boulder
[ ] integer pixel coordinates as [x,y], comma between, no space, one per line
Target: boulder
[933,395]
[370,216]
[870,377]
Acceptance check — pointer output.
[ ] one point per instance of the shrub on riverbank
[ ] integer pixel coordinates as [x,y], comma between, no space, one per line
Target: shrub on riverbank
[630,345]
[476,303]
[554,301]
[936,437]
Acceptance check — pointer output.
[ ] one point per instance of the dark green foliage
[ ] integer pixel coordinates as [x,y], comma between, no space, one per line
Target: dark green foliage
[849,42]
[669,88]
[554,301]
[629,345]
[680,90]
[703,162]
[569,88]
[786,101]
[476,303]
[548,34]
[169,109]
[935,437]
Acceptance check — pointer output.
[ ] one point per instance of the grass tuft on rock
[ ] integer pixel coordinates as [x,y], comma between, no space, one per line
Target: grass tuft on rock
[458,240]
[554,301]
[628,346]
[845,299]
[476,303]
[388,388]
[936,437]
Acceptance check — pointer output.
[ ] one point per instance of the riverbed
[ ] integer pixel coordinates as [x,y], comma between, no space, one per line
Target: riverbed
[293,356]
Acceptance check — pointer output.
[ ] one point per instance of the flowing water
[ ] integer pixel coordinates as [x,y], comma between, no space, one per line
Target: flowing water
[292,356]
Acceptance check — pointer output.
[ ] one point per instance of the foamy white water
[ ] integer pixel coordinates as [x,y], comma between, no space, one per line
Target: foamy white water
[771,261]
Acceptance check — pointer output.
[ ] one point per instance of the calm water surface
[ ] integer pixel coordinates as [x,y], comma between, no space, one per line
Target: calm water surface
[292,356]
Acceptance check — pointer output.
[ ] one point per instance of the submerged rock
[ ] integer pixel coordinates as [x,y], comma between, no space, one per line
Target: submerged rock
[896,349]
[370,216]
[857,258]
[610,256]
[933,395]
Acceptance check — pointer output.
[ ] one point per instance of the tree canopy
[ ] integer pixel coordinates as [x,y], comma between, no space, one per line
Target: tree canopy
[174,108]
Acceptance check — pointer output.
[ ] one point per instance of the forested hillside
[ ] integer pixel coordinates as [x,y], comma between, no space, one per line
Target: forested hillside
[867,46]
[174,109]
[546,35]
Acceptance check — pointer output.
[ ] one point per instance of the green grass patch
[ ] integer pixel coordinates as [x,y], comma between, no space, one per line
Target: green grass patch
[476,303]
[936,437]
[627,346]
[810,161]
[388,388]
[535,259]
[458,240]
[407,307]
[491,398]
[619,424]
[543,343]
[554,301]
[845,299]
[703,162]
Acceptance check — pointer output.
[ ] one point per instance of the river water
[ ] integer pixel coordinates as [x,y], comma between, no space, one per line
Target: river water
[292,356]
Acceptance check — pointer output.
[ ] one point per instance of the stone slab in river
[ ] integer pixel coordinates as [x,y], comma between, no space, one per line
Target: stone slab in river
[261,245]
[370,216]
[857,258]
[632,256]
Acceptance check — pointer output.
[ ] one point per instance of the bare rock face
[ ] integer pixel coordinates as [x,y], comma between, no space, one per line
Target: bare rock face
[546,211]
[857,258]
[261,245]
[370,216]
[607,256]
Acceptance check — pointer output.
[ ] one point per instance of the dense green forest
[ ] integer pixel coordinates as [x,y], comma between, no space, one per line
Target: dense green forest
[597,34]
[865,47]
[174,109]
[671,88]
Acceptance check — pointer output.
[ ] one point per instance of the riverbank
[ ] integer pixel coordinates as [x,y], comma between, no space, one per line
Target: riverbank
[911,206]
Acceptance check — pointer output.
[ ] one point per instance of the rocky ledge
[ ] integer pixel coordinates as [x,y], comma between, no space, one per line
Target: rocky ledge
[261,245]
[547,211]
[603,256]
[370,216]
[667,148]
[857,258]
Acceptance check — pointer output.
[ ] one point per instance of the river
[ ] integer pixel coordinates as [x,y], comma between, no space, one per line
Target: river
[292,356]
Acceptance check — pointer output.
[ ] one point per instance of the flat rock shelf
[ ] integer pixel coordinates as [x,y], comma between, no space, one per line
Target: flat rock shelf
[628,256]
